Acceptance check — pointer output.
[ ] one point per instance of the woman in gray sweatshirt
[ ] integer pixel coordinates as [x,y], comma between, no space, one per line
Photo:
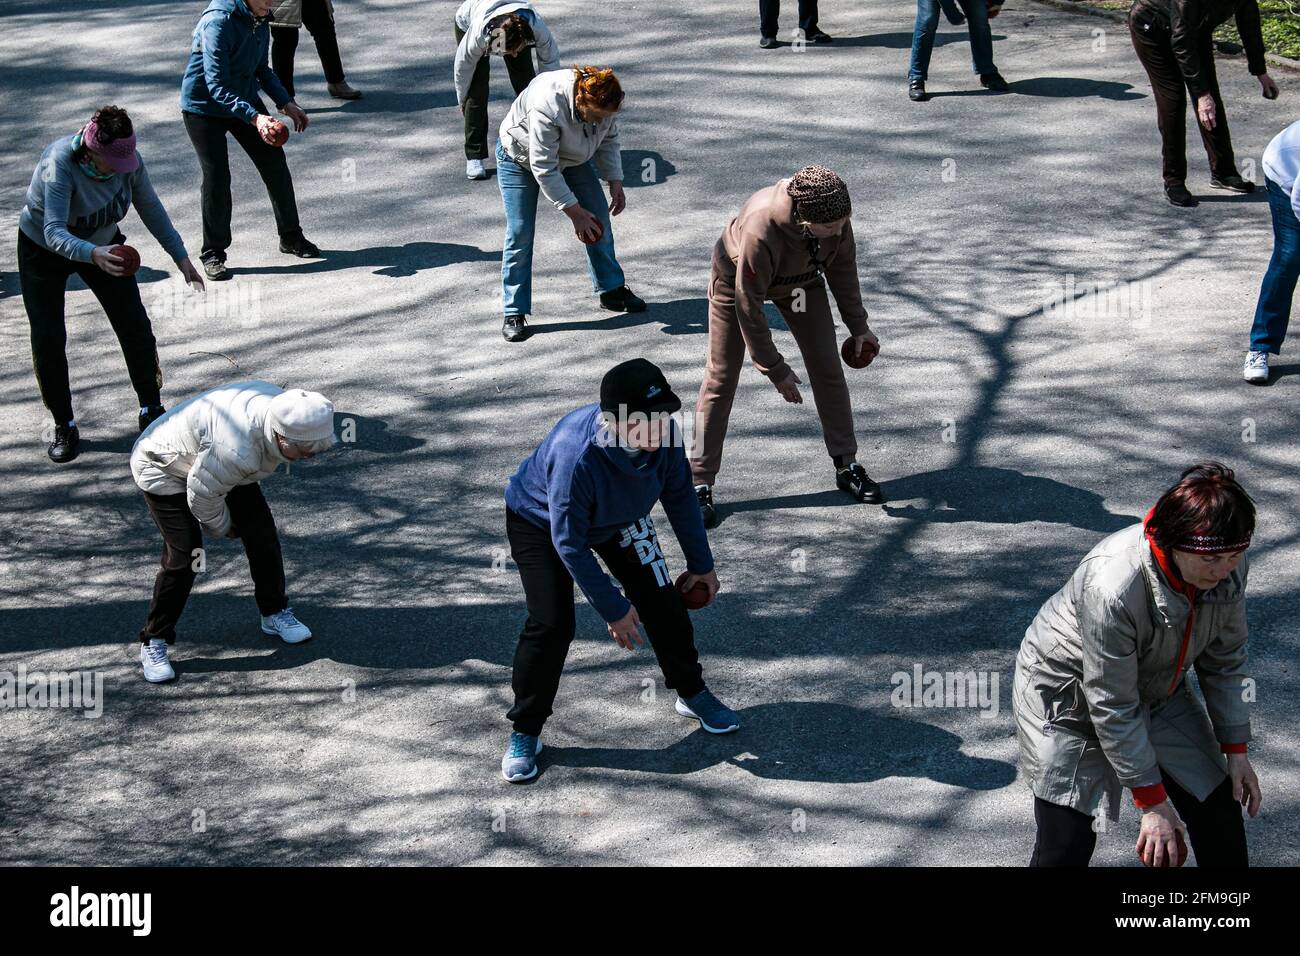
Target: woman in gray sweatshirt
[80,192]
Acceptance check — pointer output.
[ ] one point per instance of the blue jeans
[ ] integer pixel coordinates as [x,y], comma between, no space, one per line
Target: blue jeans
[519,192]
[927,24]
[1273,312]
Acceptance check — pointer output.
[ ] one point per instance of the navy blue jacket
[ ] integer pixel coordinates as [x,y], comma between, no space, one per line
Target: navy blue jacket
[228,64]
[586,490]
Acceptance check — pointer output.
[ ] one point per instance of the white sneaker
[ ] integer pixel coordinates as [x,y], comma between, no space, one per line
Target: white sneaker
[285,626]
[153,658]
[1256,370]
[474,169]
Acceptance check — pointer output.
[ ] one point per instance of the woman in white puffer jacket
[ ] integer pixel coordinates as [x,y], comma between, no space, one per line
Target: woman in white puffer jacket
[199,466]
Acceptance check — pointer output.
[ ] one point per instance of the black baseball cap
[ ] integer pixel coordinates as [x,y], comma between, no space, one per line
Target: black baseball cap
[638,386]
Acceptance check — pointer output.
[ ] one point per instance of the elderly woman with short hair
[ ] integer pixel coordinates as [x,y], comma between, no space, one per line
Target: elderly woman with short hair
[1101,698]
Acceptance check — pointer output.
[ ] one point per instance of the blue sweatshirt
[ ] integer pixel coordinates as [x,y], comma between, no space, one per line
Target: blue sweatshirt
[586,490]
[69,213]
[228,64]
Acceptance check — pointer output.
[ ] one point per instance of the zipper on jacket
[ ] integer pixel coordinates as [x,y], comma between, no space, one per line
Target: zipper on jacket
[1182,653]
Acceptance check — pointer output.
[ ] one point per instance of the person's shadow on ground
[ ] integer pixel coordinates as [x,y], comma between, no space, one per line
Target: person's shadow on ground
[998,496]
[807,741]
[973,493]
[645,167]
[903,41]
[677,317]
[392,261]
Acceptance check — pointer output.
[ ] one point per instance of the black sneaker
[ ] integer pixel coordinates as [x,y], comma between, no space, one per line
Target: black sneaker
[1234,183]
[622,300]
[149,415]
[994,81]
[299,246]
[704,494]
[818,37]
[768,43]
[514,328]
[855,480]
[916,91]
[1179,196]
[66,445]
[215,269]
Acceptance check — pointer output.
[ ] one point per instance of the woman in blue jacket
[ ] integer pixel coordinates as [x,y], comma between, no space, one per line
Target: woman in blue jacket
[589,487]
[220,96]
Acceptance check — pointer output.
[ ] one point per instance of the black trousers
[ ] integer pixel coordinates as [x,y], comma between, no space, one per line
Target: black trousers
[43,276]
[318,20]
[522,72]
[1153,47]
[770,10]
[1214,828]
[548,630]
[183,537]
[208,134]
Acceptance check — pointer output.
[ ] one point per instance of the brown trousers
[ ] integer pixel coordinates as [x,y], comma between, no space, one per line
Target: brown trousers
[1154,49]
[814,332]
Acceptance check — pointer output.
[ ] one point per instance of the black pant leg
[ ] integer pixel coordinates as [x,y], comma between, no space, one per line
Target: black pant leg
[521,70]
[1065,836]
[284,44]
[637,561]
[769,12]
[120,298]
[208,135]
[1218,141]
[274,169]
[252,518]
[808,16]
[182,539]
[548,629]
[1169,91]
[43,276]
[1214,825]
[318,20]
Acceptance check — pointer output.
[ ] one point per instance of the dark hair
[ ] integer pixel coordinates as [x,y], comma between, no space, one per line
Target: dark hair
[113,124]
[515,33]
[1206,502]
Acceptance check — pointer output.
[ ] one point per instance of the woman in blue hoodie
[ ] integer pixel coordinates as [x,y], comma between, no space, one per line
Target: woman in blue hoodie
[587,490]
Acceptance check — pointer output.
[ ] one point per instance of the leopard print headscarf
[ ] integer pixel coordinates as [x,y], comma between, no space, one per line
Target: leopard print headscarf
[819,195]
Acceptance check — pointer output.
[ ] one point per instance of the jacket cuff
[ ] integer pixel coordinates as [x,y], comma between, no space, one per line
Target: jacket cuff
[778,372]
[1233,734]
[1148,797]
[707,566]
[1233,748]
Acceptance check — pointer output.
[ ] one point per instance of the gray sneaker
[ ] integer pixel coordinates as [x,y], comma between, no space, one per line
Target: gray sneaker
[520,762]
[713,715]
[1256,370]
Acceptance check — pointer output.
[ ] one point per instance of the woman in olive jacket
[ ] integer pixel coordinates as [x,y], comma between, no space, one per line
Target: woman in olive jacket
[1100,694]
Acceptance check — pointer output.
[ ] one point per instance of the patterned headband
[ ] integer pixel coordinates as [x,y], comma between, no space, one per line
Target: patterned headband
[1211,544]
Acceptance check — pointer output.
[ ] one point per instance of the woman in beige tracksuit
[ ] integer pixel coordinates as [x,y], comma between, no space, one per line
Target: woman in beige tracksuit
[790,242]
[1101,697]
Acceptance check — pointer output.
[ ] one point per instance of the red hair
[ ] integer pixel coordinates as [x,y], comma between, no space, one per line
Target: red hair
[1207,512]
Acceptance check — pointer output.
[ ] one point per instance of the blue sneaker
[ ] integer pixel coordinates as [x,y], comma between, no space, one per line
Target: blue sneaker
[713,715]
[520,761]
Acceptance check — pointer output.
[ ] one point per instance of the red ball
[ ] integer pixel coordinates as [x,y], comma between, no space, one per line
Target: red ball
[696,597]
[600,234]
[129,256]
[278,134]
[869,352]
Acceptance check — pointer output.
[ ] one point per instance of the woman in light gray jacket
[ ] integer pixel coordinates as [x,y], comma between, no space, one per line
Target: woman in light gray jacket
[559,140]
[199,467]
[1100,694]
[504,28]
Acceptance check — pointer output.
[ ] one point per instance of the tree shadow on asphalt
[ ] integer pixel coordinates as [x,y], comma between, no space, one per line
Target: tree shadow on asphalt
[808,742]
[678,317]
[903,41]
[393,261]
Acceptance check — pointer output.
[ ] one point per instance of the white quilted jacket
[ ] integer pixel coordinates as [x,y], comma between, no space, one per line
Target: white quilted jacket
[206,446]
